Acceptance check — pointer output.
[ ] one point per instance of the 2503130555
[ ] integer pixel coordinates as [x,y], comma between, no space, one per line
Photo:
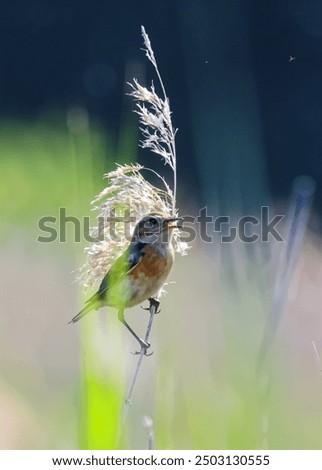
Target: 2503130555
[232,460]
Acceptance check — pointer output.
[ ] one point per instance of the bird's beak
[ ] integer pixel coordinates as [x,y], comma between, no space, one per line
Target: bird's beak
[173,222]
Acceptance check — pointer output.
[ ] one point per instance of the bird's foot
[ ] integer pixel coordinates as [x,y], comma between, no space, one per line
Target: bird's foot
[154,303]
[144,344]
[144,347]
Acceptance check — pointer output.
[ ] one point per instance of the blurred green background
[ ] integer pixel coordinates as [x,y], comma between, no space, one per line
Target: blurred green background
[249,124]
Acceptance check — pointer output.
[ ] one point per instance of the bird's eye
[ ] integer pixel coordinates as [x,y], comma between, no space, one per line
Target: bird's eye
[151,222]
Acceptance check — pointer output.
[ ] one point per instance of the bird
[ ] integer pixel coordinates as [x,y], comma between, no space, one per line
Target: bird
[139,273]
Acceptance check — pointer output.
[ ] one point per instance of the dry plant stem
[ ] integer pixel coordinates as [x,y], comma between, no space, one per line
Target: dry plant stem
[150,55]
[151,440]
[158,135]
[153,309]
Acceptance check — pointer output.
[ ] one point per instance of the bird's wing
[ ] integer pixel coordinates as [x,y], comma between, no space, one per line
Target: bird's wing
[135,255]
[122,267]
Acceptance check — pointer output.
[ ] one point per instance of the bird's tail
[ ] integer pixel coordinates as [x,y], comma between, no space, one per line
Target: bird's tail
[93,303]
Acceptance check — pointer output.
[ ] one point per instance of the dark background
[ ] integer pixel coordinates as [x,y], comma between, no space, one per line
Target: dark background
[248,114]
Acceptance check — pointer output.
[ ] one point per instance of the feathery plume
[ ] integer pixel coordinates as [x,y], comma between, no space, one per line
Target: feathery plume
[129,196]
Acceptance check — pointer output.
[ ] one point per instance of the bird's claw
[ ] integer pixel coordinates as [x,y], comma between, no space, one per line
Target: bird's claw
[144,346]
[148,308]
[148,354]
[136,353]
[154,302]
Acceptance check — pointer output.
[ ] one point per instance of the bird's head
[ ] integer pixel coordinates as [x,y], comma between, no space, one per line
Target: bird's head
[155,228]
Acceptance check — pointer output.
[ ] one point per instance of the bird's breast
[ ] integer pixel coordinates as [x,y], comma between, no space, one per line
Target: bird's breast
[149,275]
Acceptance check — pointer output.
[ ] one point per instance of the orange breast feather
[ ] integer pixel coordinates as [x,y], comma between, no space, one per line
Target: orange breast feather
[152,265]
